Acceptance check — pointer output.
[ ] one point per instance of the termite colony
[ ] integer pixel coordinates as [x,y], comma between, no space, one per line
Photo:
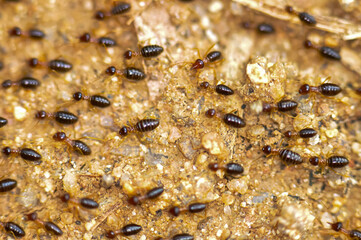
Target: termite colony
[165,120]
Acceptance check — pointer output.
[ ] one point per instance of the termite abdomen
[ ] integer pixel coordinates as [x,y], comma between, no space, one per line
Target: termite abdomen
[290,157]
[307,133]
[196,207]
[121,8]
[107,42]
[307,18]
[214,56]
[286,105]
[234,168]
[183,236]
[146,125]
[224,90]
[29,154]
[29,83]
[60,65]
[265,28]
[14,228]
[151,51]
[154,193]
[233,120]
[65,117]
[131,229]
[330,89]
[36,34]
[81,147]
[3,122]
[337,162]
[7,185]
[134,74]
[88,203]
[99,101]
[355,235]
[329,53]
[53,228]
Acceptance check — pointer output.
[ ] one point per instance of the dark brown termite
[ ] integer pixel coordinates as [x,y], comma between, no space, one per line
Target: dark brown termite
[49,226]
[211,57]
[304,133]
[25,82]
[149,51]
[229,118]
[62,117]
[325,51]
[220,88]
[82,202]
[151,194]
[286,155]
[326,89]
[128,230]
[192,208]
[352,234]
[120,8]
[32,33]
[25,153]
[13,229]
[129,73]
[332,162]
[303,16]
[102,41]
[144,125]
[76,145]
[230,168]
[281,106]
[95,100]
[57,65]
[7,184]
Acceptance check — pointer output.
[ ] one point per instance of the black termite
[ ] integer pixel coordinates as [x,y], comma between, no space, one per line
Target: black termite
[76,145]
[332,162]
[120,8]
[230,168]
[128,230]
[220,88]
[210,58]
[286,155]
[13,228]
[324,51]
[32,33]
[282,106]
[304,133]
[83,202]
[307,18]
[144,125]
[192,208]
[233,120]
[353,234]
[95,100]
[62,117]
[7,184]
[57,65]
[103,41]
[3,122]
[149,51]
[25,153]
[129,73]
[265,28]
[151,194]
[25,82]
[326,89]
[183,236]
[49,226]
[303,16]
